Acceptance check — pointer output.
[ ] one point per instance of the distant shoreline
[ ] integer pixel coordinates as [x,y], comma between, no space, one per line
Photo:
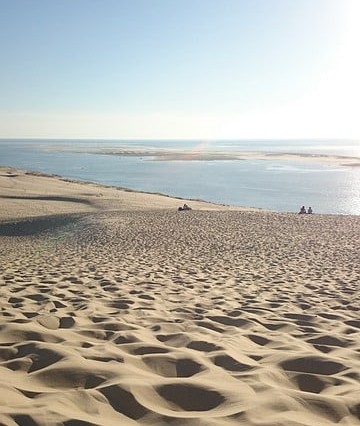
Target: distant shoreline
[277,177]
[213,155]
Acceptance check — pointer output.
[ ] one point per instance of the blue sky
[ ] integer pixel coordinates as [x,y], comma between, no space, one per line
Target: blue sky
[210,69]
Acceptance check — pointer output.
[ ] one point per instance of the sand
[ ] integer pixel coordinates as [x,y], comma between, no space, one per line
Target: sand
[117,309]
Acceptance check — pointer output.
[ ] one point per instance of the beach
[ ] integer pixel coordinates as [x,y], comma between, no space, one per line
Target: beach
[273,175]
[118,309]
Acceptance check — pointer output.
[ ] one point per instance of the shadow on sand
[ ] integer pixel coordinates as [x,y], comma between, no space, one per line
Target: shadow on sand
[34,226]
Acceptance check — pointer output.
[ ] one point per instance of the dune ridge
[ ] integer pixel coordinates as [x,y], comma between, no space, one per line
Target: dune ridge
[129,313]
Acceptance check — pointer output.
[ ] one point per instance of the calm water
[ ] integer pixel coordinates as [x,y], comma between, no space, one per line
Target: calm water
[280,185]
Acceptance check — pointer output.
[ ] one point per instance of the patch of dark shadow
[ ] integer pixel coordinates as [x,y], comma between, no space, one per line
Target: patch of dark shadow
[235,322]
[308,330]
[99,319]
[353,323]
[309,383]
[259,311]
[259,340]
[19,321]
[75,422]
[304,306]
[167,367]
[15,299]
[6,353]
[326,409]
[37,297]
[323,349]
[301,317]
[146,296]
[203,346]
[66,322]
[123,402]
[40,358]
[144,350]
[70,378]
[166,337]
[59,304]
[274,326]
[329,316]
[210,326]
[329,341]
[350,330]
[117,326]
[24,420]
[106,359]
[92,381]
[118,305]
[313,365]
[121,340]
[191,398]
[234,313]
[16,365]
[105,282]
[231,364]
[29,394]
[353,375]
[34,226]
[187,368]
[355,411]
[256,357]
[48,198]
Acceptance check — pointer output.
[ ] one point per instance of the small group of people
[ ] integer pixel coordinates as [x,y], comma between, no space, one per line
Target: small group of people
[304,211]
[184,207]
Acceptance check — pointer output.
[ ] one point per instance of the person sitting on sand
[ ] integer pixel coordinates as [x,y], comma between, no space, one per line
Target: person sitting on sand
[302,210]
[184,207]
[310,210]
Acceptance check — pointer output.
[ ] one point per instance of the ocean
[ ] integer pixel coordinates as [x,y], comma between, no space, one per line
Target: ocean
[273,183]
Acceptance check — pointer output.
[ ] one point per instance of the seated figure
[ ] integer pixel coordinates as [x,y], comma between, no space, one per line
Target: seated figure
[184,207]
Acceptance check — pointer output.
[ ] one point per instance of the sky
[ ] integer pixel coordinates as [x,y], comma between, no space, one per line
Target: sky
[179,69]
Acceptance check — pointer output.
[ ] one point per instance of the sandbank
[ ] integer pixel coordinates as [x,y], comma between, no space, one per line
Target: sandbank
[166,154]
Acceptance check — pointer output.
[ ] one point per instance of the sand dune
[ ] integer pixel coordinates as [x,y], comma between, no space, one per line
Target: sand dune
[129,312]
[26,194]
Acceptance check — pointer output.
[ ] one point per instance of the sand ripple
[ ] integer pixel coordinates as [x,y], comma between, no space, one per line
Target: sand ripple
[193,318]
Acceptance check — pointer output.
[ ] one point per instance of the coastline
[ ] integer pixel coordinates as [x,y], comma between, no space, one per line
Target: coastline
[277,180]
[30,194]
[118,309]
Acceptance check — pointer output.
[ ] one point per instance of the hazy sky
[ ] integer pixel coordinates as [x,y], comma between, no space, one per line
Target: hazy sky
[180,68]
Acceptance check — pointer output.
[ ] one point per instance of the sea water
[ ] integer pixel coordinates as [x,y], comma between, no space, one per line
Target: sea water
[276,184]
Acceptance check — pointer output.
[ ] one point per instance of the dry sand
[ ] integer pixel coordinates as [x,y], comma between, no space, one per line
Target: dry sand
[116,309]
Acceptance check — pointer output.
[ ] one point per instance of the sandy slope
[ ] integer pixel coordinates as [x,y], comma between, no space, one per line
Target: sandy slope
[27,194]
[125,316]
